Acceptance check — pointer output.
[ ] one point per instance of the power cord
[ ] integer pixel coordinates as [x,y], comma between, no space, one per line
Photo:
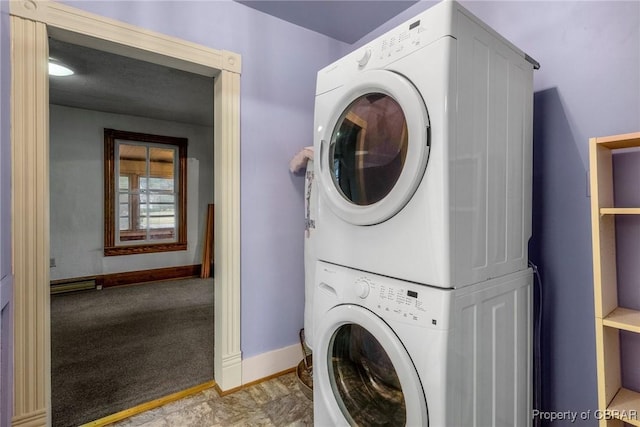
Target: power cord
[537,344]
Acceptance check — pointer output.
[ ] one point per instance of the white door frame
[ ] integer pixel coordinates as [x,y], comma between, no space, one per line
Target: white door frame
[32,21]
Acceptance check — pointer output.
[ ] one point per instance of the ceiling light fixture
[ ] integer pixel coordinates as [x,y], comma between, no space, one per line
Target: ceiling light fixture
[58,69]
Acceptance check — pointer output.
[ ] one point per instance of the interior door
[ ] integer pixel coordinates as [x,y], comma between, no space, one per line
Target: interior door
[376,148]
[362,370]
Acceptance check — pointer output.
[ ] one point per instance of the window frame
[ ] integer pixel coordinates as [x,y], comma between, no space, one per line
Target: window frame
[111,248]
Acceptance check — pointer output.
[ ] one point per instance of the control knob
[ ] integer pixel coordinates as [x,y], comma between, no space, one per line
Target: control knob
[362,288]
[365,58]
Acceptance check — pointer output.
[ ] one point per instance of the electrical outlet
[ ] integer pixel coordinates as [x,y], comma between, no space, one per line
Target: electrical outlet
[52,262]
[588,185]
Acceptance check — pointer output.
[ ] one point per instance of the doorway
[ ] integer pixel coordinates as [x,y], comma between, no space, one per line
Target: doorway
[111,348]
[31,24]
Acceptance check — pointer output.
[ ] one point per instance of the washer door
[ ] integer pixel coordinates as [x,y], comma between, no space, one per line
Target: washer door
[363,372]
[375,149]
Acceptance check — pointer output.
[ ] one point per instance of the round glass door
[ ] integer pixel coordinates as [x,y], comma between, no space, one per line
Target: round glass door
[363,373]
[374,148]
[364,380]
[369,148]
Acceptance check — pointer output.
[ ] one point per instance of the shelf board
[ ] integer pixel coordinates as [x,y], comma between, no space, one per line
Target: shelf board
[628,140]
[625,406]
[623,318]
[619,211]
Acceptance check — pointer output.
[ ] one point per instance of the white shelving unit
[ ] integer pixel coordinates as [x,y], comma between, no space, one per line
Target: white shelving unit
[616,402]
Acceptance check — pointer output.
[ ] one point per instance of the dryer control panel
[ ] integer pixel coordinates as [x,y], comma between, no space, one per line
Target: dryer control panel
[401,41]
[425,29]
[392,46]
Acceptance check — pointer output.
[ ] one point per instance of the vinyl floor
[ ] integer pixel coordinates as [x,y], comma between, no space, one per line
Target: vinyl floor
[277,402]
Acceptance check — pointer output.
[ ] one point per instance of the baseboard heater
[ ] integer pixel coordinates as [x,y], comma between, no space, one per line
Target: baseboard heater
[80,285]
[125,278]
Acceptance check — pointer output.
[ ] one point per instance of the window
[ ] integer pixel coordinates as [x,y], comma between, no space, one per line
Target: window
[145,201]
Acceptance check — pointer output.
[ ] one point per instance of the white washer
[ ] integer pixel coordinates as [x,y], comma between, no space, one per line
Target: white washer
[388,352]
[423,153]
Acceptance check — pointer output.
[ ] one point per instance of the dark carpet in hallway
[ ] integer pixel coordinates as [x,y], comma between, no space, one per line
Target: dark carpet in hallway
[119,347]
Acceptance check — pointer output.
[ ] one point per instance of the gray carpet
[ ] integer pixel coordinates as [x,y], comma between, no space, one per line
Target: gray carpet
[119,347]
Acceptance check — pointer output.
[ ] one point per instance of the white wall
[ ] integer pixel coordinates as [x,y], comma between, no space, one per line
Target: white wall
[76,171]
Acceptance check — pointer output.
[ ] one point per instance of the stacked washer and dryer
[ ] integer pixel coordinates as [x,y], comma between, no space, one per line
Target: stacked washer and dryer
[419,306]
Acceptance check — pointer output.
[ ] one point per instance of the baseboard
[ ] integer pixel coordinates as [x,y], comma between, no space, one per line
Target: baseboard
[252,383]
[270,363]
[35,418]
[139,276]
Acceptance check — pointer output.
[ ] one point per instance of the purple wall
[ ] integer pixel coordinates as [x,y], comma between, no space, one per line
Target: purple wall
[279,66]
[561,247]
[589,85]
[6,282]
[626,175]
[5,143]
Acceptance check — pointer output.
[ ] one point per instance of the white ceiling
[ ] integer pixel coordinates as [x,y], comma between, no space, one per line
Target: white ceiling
[117,84]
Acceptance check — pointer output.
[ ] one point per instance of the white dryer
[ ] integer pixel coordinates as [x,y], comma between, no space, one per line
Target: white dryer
[388,352]
[423,150]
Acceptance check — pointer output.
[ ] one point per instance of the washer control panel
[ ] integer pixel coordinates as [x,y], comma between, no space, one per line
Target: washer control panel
[391,299]
[403,301]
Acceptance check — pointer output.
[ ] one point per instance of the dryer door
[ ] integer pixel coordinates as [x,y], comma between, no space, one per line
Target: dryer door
[375,148]
[363,373]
